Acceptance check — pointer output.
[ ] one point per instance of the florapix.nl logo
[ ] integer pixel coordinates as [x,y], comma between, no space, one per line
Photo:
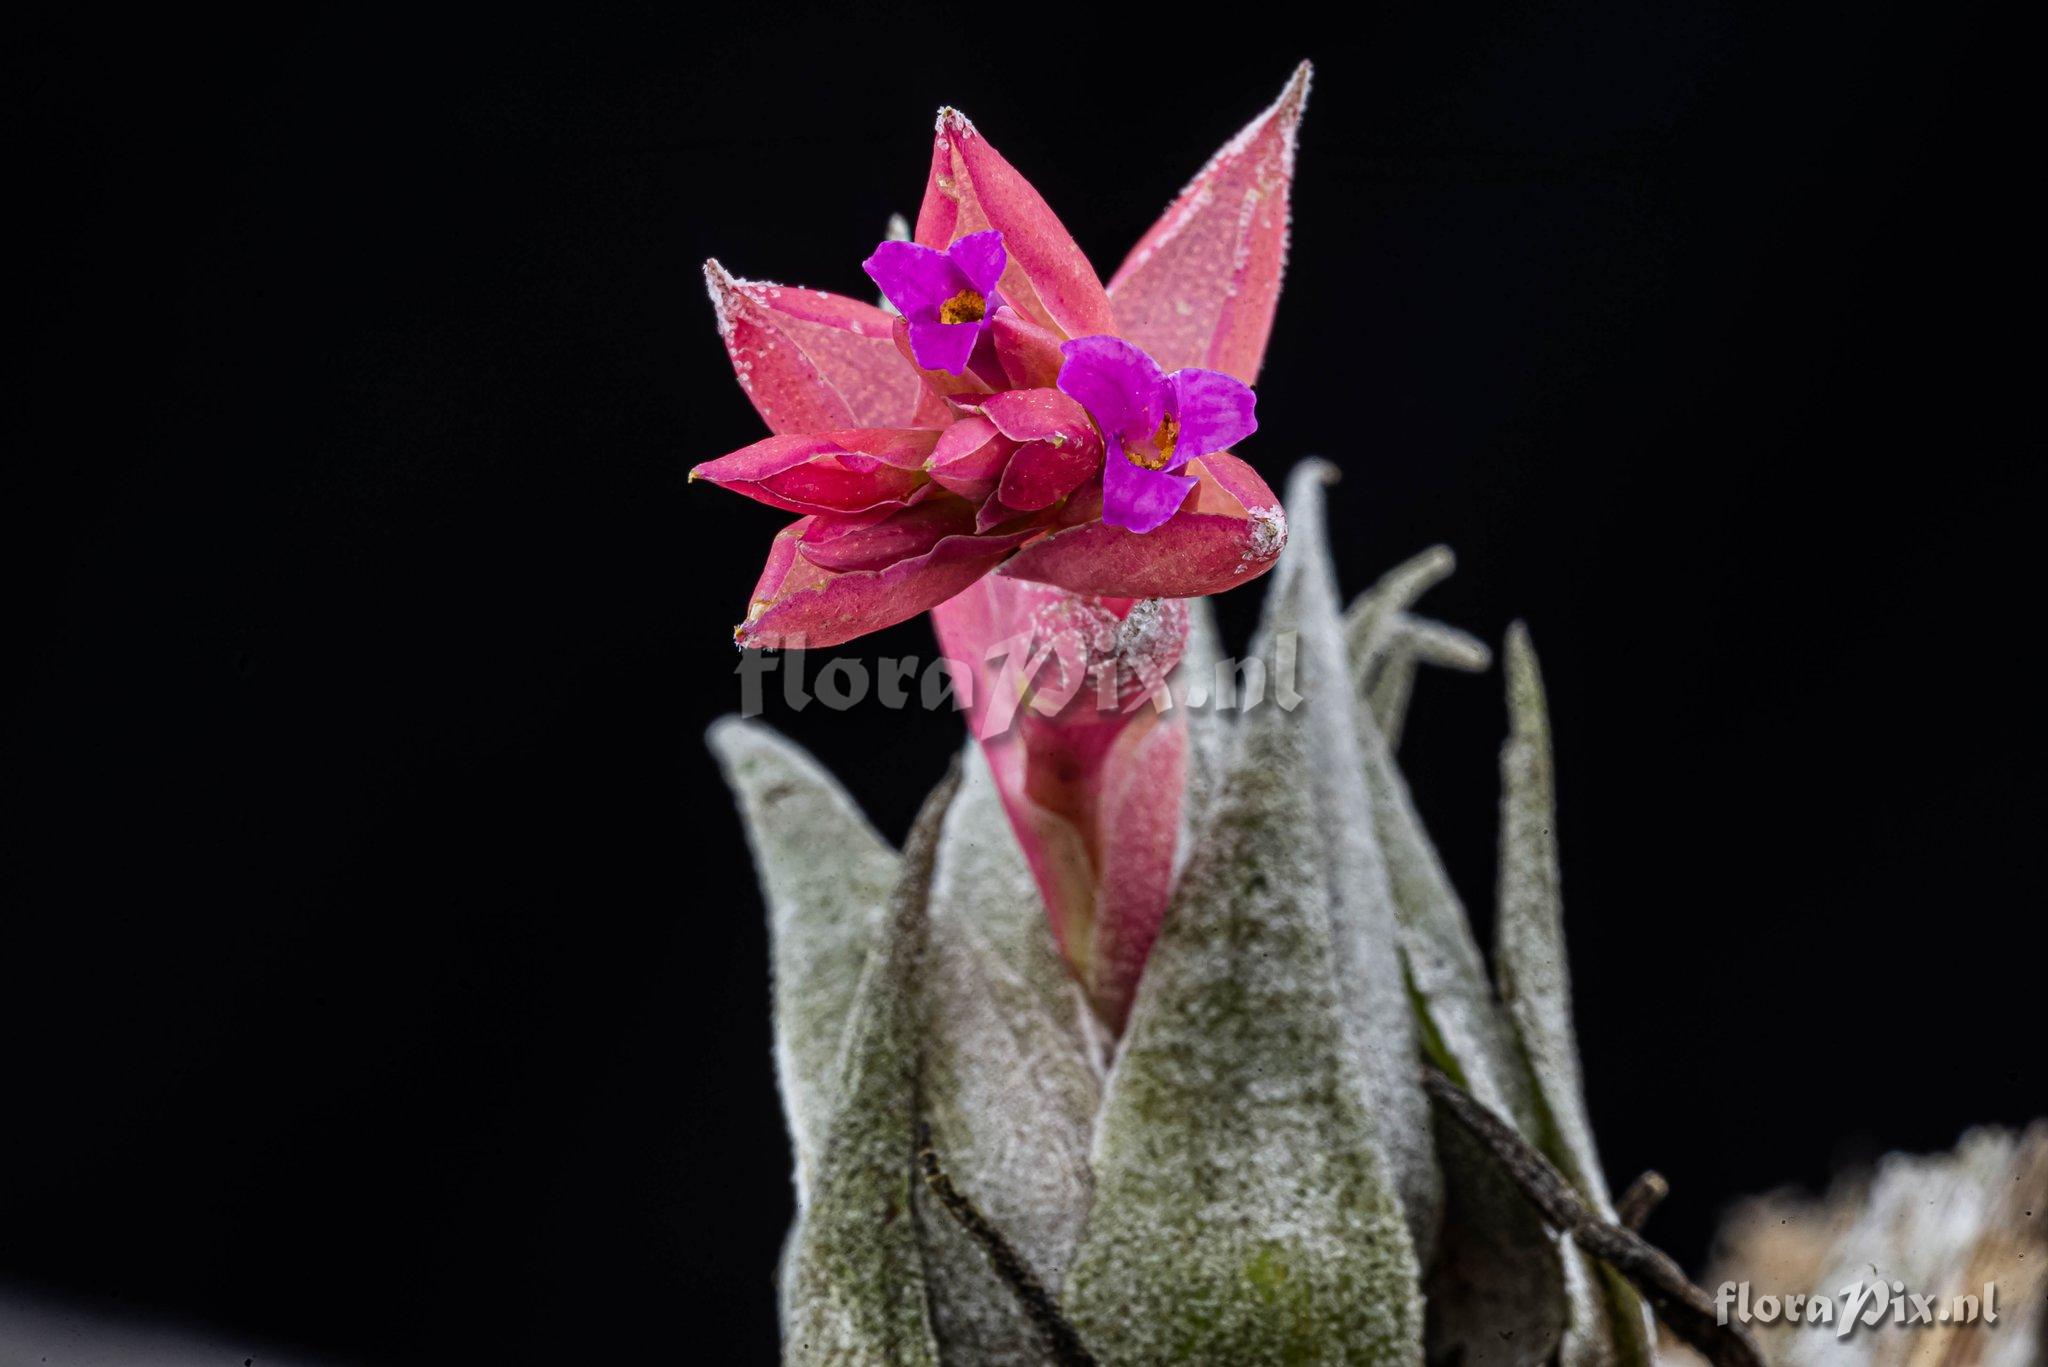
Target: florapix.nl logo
[1860,1304]
[1049,675]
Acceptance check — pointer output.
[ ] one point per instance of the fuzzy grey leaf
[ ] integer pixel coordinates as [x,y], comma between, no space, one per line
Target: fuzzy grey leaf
[1490,1267]
[1243,1212]
[1408,643]
[1366,621]
[856,1282]
[1529,949]
[1388,642]
[1535,988]
[825,876]
[1194,688]
[1301,634]
[1011,1081]
[1464,1027]
[1434,643]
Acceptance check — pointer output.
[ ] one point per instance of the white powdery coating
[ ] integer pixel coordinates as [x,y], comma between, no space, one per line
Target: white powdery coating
[1497,1271]
[1208,724]
[1379,1022]
[1243,1212]
[854,1287]
[746,307]
[1443,960]
[1266,535]
[1387,643]
[1199,194]
[825,876]
[1010,1082]
[1089,649]
[1535,988]
[1367,621]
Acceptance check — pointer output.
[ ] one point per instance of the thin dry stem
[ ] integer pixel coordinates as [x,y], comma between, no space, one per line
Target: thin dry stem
[1679,1303]
[1009,1265]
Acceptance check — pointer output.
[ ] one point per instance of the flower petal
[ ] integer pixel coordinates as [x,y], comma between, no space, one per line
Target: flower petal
[1138,499]
[838,472]
[812,361]
[1215,411]
[1199,288]
[914,278]
[981,258]
[944,346]
[799,604]
[1229,533]
[972,188]
[1116,382]
[965,384]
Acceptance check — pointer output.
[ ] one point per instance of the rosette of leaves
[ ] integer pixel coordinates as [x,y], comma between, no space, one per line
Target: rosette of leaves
[1253,1172]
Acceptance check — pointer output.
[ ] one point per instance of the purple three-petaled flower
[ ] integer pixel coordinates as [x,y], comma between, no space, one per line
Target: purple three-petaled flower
[1152,424]
[947,296]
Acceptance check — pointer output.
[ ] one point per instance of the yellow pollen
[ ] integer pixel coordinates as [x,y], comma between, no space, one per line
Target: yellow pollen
[1157,453]
[964,307]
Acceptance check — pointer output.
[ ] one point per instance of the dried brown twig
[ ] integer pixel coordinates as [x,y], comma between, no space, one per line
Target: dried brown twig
[1044,1312]
[1644,1195]
[1679,1303]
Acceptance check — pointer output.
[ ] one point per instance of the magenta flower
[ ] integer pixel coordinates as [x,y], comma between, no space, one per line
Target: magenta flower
[946,297]
[1028,455]
[854,393]
[1152,424]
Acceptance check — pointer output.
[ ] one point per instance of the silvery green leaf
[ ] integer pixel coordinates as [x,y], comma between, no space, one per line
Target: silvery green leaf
[1012,1081]
[1464,1028]
[1529,950]
[1244,1213]
[1410,642]
[1432,642]
[825,876]
[1194,688]
[855,1289]
[1497,1271]
[1367,622]
[1301,639]
[1535,987]
[1388,642]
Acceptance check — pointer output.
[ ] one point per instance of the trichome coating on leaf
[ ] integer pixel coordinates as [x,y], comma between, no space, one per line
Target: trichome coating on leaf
[1155,980]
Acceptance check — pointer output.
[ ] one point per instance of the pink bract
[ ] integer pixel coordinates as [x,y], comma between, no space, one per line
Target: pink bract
[1197,295]
[1043,464]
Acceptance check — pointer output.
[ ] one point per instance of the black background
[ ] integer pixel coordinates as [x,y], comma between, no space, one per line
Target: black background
[382,966]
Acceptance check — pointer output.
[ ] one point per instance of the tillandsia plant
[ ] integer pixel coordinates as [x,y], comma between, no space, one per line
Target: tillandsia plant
[1164,1038]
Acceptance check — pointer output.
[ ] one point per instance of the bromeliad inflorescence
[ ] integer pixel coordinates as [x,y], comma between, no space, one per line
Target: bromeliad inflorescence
[1195,1136]
[1030,456]
[1014,416]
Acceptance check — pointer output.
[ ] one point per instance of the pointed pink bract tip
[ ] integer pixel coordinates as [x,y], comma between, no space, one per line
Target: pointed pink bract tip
[718,280]
[951,120]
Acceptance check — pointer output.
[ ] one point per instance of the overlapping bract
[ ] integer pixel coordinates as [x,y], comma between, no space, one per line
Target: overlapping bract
[1255,1177]
[926,449]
